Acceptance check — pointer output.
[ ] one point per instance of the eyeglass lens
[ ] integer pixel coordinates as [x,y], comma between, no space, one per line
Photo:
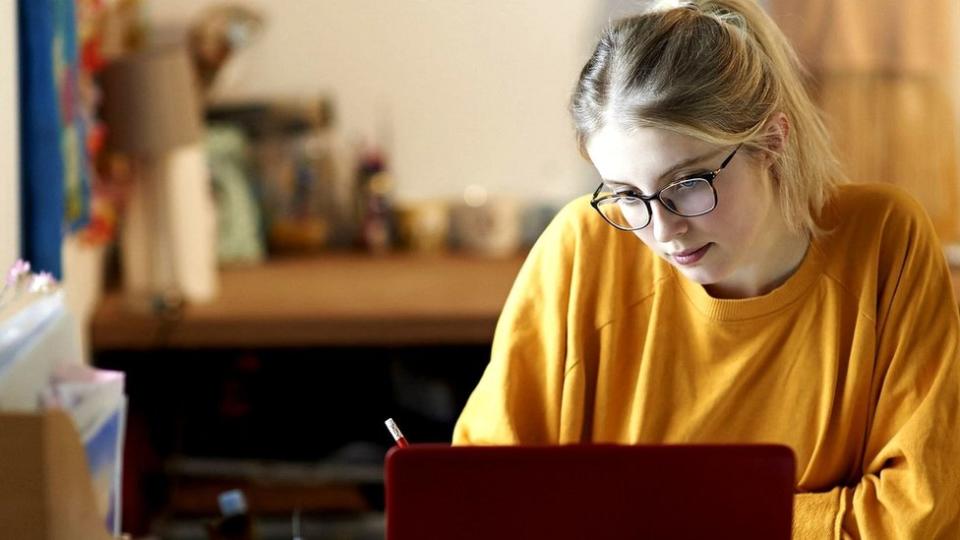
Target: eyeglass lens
[689,198]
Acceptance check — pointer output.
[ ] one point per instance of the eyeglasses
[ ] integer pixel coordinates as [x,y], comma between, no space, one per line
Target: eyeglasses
[630,210]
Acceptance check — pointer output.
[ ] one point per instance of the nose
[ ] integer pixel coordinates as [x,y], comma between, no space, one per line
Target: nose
[666,225]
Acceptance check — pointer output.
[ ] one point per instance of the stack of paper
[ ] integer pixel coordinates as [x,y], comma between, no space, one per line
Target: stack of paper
[41,367]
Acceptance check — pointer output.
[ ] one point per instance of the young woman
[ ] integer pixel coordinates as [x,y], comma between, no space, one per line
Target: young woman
[722,285]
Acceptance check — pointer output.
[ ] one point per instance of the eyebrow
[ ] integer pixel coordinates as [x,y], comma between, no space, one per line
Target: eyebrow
[680,165]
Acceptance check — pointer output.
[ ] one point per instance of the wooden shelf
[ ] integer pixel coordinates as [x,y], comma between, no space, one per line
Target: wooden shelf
[333,299]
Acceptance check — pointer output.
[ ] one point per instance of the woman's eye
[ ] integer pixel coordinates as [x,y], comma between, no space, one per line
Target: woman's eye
[627,197]
[688,184]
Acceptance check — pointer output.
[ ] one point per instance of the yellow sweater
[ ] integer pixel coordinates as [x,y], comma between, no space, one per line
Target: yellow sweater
[852,363]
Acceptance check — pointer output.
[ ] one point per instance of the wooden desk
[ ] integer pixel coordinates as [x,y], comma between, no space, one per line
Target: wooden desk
[333,299]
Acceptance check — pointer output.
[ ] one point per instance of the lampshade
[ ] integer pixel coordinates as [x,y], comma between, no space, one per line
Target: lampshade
[150,102]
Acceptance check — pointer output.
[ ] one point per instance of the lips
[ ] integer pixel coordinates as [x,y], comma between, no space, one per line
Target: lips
[690,256]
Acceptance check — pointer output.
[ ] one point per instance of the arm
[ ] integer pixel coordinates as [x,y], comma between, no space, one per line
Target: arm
[519,399]
[910,486]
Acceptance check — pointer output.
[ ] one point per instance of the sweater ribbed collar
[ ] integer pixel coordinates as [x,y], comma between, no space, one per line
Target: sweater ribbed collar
[783,296]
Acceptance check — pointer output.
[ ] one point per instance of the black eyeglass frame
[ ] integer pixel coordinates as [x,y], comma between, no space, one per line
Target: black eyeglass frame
[709,177]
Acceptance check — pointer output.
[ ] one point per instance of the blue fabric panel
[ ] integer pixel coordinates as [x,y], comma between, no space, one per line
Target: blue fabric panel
[42,167]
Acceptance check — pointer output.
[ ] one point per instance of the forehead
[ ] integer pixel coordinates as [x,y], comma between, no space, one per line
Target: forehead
[640,156]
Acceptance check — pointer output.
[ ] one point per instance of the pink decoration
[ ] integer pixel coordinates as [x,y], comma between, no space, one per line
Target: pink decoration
[19,268]
[42,282]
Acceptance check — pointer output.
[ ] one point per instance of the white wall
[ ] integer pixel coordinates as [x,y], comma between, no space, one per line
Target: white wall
[9,138]
[469,91]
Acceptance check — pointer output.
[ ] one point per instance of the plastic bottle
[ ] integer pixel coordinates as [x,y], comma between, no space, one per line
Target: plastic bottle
[236,522]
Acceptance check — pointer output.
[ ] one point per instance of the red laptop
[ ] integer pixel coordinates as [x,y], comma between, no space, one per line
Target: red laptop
[589,492]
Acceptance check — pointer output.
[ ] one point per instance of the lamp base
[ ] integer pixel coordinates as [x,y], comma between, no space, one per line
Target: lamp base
[168,240]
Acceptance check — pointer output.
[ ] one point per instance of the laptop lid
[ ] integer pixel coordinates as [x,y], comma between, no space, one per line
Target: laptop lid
[592,492]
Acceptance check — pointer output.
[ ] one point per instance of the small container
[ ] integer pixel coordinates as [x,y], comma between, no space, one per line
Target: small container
[486,226]
[236,523]
[423,226]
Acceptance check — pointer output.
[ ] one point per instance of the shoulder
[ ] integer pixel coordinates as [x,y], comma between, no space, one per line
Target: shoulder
[595,262]
[880,216]
[576,232]
[870,205]
[588,240]
[577,218]
[875,232]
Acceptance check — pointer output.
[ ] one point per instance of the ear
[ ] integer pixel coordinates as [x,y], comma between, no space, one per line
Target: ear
[776,132]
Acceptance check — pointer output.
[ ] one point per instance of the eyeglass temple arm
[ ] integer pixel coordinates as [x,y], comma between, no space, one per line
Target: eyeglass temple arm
[724,164]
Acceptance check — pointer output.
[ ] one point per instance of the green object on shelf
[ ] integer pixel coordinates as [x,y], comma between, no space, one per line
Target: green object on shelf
[239,231]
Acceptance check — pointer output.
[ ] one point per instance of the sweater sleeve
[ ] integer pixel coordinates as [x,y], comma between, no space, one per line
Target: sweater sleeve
[520,395]
[910,484]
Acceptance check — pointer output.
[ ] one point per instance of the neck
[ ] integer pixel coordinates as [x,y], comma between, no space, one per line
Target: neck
[780,262]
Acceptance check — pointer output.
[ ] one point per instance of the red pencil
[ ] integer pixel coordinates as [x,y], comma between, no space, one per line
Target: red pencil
[395,431]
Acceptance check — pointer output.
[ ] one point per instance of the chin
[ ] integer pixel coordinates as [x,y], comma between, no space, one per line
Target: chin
[697,275]
[704,274]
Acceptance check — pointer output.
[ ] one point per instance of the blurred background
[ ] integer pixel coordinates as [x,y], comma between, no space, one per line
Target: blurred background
[288,220]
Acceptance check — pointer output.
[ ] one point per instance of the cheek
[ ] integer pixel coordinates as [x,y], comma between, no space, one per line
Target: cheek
[722,225]
[739,214]
[646,236]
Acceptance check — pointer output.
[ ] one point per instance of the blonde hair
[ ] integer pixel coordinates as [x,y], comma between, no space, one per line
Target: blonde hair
[716,70]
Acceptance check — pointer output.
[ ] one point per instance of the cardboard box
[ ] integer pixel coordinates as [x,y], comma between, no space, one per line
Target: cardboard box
[45,485]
